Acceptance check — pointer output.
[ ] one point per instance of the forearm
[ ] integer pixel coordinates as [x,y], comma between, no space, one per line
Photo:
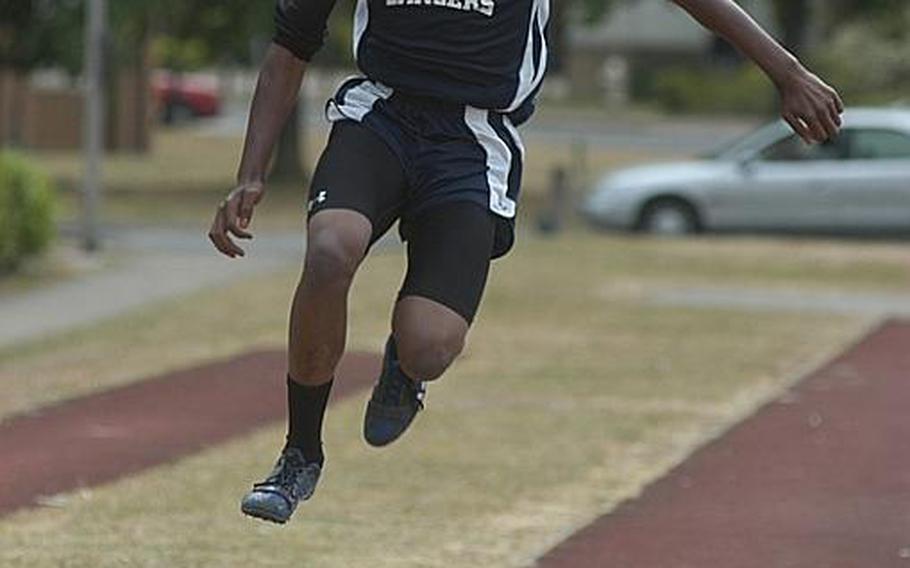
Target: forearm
[276,94]
[731,22]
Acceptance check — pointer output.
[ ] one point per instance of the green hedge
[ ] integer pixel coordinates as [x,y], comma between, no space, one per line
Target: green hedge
[867,66]
[744,90]
[26,211]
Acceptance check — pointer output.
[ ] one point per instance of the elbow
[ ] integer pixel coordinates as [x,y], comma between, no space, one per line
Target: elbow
[280,57]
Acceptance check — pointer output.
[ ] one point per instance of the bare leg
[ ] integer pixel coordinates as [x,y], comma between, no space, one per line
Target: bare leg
[429,336]
[337,241]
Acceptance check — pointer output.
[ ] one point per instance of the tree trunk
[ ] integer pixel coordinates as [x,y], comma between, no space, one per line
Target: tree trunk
[13,86]
[287,166]
[558,41]
[794,17]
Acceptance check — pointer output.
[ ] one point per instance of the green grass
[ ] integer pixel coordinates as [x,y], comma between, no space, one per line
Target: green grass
[572,395]
[186,174]
[568,280]
[574,391]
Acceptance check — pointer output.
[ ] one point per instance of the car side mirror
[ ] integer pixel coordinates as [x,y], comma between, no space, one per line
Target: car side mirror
[746,163]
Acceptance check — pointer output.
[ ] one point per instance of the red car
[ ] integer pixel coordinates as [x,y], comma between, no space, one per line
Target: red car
[183,96]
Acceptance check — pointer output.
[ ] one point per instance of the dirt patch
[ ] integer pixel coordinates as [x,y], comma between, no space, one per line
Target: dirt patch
[95,439]
[816,478]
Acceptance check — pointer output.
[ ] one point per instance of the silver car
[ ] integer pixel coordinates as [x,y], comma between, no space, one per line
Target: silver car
[771,181]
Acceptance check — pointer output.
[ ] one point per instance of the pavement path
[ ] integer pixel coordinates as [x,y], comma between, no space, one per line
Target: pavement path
[620,131]
[759,299]
[152,265]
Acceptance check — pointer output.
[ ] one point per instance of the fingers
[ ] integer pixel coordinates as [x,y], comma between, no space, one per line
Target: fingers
[248,200]
[223,224]
[799,127]
[812,108]
[233,227]
[230,213]
[828,123]
[835,114]
[232,219]
[838,103]
[221,240]
[817,125]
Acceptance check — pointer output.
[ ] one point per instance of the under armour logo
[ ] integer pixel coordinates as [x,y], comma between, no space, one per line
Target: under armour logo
[320,198]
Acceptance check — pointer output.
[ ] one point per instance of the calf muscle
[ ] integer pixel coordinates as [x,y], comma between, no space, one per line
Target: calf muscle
[337,242]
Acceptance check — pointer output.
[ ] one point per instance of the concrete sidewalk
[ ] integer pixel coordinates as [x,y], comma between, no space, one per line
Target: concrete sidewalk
[153,264]
[761,299]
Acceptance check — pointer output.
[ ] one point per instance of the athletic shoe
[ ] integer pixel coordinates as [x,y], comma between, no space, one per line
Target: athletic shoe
[395,402]
[292,480]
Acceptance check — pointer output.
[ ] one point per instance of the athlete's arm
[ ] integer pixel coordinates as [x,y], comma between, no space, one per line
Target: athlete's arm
[299,32]
[809,105]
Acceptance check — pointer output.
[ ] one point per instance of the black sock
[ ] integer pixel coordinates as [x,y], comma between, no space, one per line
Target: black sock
[306,408]
[391,363]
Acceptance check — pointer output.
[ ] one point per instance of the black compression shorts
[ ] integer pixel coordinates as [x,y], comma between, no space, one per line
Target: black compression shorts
[449,244]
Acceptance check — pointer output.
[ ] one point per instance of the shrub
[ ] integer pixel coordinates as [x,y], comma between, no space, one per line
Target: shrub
[696,90]
[867,65]
[26,211]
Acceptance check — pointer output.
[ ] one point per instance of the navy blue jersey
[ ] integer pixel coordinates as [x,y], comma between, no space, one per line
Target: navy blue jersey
[489,54]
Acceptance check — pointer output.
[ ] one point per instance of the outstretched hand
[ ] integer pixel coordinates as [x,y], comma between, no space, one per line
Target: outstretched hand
[810,106]
[233,217]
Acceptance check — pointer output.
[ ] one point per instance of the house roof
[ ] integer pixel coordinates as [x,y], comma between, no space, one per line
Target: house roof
[654,25]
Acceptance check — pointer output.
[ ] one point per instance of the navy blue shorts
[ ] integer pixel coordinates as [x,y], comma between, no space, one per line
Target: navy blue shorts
[448,152]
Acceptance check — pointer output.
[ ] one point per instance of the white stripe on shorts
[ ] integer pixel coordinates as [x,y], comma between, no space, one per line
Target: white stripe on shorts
[358,101]
[499,160]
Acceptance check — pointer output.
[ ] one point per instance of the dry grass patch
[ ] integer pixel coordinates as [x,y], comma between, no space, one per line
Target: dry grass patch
[566,402]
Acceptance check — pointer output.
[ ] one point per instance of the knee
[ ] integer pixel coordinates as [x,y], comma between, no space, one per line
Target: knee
[427,353]
[333,256]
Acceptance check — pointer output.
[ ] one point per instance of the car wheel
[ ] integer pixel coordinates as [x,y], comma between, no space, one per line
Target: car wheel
[669,217]
[177,113]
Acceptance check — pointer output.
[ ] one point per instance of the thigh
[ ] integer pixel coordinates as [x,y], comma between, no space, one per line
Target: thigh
[359,172]
[449,249]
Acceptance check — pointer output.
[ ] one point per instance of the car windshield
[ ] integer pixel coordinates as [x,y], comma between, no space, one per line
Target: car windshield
[751,142]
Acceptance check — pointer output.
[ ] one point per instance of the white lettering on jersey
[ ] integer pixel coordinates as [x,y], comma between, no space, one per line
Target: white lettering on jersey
[485,7]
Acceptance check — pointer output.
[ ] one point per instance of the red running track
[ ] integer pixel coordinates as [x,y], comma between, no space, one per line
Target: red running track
[99,438]
[819,478]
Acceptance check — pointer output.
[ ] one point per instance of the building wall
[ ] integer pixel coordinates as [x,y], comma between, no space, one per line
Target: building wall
[53,119]
[42,117]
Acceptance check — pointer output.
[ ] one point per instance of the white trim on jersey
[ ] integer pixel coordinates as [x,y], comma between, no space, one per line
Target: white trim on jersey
[361,20]
[532,69]
[499,160]
[358,101]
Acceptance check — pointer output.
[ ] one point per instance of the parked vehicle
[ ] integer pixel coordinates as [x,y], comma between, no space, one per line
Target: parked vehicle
[771,181]
[182,96]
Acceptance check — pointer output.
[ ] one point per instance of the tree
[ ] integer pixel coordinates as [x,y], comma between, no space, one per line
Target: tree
[38,32]
[880,13]
[561,19]
[794,17]
[34,33]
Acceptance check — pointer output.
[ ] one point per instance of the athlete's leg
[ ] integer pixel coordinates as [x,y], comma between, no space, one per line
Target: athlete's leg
[356,192]
[449,250]
[357,189]
[428,335]
[355,195]
[337,240]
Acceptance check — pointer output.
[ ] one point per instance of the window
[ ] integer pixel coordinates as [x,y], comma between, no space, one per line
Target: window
[793,149]
[879,145]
